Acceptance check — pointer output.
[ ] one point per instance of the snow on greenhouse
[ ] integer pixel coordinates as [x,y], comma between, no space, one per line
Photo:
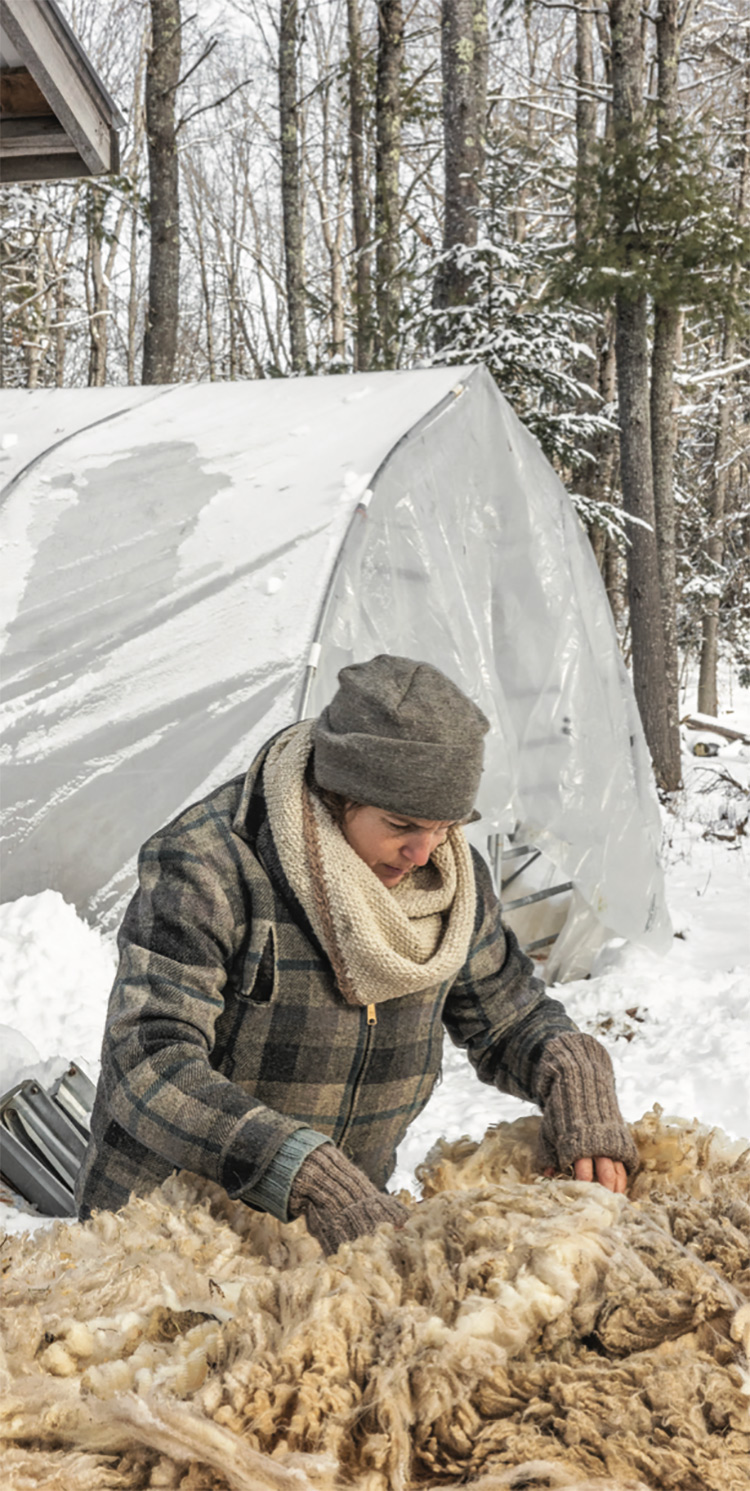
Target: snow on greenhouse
[187,568]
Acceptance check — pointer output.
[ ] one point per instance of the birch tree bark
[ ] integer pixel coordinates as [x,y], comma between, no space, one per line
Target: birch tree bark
[464,51]
[162,78]
[667,318]
[97,290]
[291,183]
[644,591]
[60,260]
[595,478]
[388,108]
[35,343]
[102,273]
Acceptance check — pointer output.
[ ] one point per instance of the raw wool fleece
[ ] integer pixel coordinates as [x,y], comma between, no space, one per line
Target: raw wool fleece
[516,1333]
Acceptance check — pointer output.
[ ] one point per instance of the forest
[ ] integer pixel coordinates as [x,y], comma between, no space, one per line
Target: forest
[556,188]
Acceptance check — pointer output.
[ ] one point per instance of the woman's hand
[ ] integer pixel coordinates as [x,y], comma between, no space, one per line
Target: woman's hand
[338,1201]
[609,1173]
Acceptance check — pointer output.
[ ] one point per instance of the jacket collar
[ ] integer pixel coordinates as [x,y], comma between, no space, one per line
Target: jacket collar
[251,824]
[251,809]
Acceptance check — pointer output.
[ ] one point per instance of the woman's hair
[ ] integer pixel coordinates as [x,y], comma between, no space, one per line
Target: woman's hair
[338,806]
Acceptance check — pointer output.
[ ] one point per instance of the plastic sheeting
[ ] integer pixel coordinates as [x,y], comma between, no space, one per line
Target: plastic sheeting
[165,554]
[470,555]
[169,566]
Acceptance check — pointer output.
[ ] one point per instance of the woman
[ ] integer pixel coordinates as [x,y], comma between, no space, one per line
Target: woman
[298,941]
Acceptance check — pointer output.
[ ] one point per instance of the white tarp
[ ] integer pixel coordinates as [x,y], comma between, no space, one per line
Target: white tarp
[170,556]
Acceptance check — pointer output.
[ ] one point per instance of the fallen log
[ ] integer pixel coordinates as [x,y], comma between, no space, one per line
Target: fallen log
[710,725]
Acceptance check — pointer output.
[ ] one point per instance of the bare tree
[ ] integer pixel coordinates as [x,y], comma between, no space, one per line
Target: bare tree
[291,183]
[101,269]
[708,698]
[360,208]
[162,80]
[667,318]
[644,590]
[327,163]
[596,477]
[59,258]
[388,110]
[586,120]
[464,64]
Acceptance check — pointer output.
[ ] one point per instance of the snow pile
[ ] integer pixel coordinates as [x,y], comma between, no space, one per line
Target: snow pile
[55,976]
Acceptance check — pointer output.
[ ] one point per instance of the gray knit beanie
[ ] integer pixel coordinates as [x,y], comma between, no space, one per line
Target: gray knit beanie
[399,735]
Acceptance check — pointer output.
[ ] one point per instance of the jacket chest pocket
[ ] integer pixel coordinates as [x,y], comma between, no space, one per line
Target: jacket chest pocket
[257,974]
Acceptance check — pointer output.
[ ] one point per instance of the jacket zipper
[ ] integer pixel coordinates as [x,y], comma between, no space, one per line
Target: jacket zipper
[372,1020]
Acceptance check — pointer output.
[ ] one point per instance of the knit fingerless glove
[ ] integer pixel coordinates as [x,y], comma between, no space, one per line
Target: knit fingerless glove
[575,1088]
[337,1200]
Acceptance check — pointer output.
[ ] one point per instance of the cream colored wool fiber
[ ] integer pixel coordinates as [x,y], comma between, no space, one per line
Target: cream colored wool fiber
[382,942]
[517,1334]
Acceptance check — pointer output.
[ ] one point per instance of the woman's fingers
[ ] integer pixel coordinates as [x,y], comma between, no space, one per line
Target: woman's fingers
[610,1173]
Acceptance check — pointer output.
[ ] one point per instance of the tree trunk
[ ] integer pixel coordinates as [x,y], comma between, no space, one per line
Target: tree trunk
[60,302]
[59,265]
[592,480]
[387,198]
[644,591]
[338,327]
[162,78]
[98,304]
[132,170]
[132,293]
[586,115]
[291,185]
[360,217]
[663,420]
[35,332]
[464,61]
[663,446]
[207,301]
[708,694]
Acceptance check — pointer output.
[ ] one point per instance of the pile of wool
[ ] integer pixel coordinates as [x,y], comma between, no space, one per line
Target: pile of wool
[517,1332]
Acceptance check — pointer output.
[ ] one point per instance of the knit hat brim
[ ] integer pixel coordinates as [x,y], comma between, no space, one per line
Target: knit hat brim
[416,779]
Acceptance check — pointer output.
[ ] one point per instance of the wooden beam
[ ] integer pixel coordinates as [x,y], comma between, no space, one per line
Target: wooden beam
[44,136]
[43,46]
[23,168]
[20,96]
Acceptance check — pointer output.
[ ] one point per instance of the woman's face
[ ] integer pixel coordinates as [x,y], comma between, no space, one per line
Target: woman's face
[389,844]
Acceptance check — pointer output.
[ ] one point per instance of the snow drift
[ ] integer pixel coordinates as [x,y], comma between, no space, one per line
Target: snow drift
[516,1332]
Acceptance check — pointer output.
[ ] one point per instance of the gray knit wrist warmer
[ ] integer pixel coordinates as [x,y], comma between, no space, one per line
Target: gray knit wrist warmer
[575,1088]
[337,1200]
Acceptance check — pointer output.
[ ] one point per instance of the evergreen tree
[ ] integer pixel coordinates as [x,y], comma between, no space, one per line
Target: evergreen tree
[533,344]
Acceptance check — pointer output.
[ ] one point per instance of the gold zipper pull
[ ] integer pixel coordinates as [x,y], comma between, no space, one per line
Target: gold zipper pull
[372,1018]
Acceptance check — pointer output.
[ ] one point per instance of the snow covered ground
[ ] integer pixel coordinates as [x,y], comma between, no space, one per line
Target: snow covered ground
[677,1027]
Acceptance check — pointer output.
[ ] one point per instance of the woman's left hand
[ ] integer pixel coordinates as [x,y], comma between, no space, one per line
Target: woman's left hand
[609,1173]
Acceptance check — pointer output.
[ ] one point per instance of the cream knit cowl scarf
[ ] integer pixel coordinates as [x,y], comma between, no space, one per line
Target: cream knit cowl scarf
[382,942]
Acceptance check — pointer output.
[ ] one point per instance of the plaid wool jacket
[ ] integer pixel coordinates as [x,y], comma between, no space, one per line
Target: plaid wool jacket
[228,1049]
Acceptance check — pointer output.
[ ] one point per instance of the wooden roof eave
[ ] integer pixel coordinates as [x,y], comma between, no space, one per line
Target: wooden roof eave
[71,129]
